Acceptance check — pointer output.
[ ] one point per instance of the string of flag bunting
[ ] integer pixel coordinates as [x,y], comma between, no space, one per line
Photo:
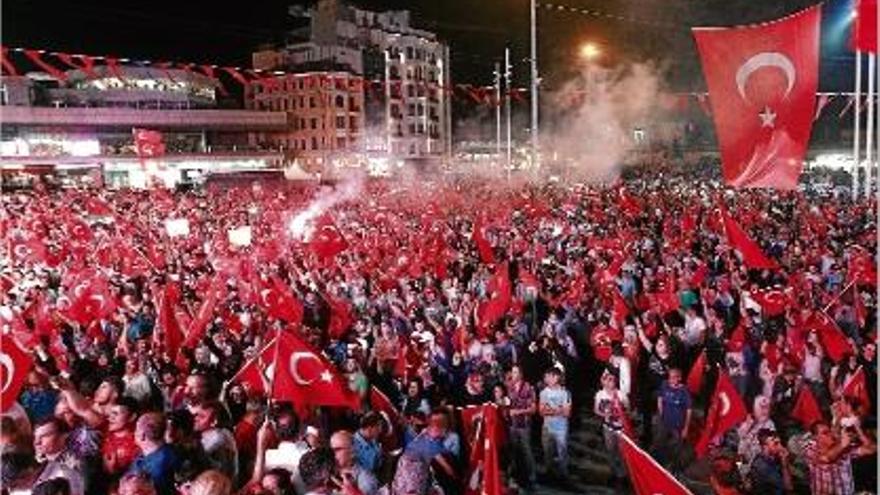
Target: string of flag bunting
[57,65]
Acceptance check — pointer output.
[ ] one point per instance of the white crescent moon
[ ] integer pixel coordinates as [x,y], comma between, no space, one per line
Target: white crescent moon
[765,59]
[264,296]
[295,358]
[78,290]
[725,403]
[62,303]
[8,370]
[100,299]
[21,251]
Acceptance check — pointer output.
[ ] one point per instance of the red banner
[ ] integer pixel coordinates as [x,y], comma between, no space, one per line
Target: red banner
[864,33]
[762,83]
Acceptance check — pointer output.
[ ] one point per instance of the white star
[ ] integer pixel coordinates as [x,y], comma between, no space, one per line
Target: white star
[326,376]
[767,117]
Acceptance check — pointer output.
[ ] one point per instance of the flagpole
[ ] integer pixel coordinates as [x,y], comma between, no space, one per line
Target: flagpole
[869,128]
[271,392]
[839,294]
[856,114]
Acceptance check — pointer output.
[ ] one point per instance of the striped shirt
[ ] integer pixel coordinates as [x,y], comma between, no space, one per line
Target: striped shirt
[830,478]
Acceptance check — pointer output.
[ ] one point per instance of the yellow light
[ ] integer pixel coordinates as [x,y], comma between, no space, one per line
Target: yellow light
[590,51]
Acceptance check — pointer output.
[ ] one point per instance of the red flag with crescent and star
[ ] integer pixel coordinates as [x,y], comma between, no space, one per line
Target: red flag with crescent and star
[305,377]
[762,82]
[15,364]
[725,412]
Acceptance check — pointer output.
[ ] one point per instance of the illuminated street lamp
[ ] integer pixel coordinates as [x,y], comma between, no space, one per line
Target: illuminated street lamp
[590,51]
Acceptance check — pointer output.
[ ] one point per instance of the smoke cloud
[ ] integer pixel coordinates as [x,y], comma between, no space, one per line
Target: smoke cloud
[302,225]
[596,115]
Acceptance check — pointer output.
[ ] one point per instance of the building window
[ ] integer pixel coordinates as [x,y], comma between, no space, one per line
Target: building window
[340,122]
[421,110]
[340,101]
[4,95]
[410,109]
[314,123]
[312,102]
[340,143]
[314,143]
[410,90]
[301,99]
[409,52]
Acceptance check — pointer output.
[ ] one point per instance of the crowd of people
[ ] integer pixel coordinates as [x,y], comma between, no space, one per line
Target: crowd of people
[555,302]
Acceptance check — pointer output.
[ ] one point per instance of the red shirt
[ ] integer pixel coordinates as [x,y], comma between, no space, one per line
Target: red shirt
[120,445]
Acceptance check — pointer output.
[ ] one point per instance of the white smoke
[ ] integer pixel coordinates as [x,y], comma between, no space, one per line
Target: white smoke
[302,225]
[598,113]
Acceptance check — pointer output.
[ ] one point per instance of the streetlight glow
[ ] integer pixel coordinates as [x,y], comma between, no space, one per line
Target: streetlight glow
[590,51]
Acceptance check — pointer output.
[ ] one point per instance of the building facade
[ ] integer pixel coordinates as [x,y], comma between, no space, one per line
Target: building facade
[325,115]
[407,112]
[85,123]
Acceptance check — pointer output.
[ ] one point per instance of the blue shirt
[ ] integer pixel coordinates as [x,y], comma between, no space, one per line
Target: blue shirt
[555,398]
[426,447]
[367,454]
[676,401]
[39,405]
[160,466]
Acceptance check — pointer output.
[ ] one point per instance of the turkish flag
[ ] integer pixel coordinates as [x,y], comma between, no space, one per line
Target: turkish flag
[148,143]
[627,203]
[773,301]
[254,374]
[856,387]
[862,268]
[484,476]
[832,338]
[864,33]
[341,317]
[695,376]
[762,82]
[806,409]
[29,251]
[327,241]
[98,207]
[199,325]
[725,412]
[499,299]
[751,253]
[168,334]
[646,475]
[483,246]
[280,303]
[15,364]
[88,300]
[303,376]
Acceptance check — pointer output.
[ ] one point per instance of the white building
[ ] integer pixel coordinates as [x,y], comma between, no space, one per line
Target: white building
[408,111]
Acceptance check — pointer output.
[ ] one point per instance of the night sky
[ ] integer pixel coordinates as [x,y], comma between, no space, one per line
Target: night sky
[214,32]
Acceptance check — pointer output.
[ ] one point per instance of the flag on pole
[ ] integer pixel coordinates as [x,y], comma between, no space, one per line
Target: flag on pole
[646,475]
[762,82]
[752,255]
[725,412]
[806,409]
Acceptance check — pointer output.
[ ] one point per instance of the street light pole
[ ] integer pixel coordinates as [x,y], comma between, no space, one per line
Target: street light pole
[508,88]
[497,111]
[534,83]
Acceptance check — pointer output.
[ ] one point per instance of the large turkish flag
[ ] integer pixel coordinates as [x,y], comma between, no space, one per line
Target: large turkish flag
[15,364]
[762,83]
[726,411]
